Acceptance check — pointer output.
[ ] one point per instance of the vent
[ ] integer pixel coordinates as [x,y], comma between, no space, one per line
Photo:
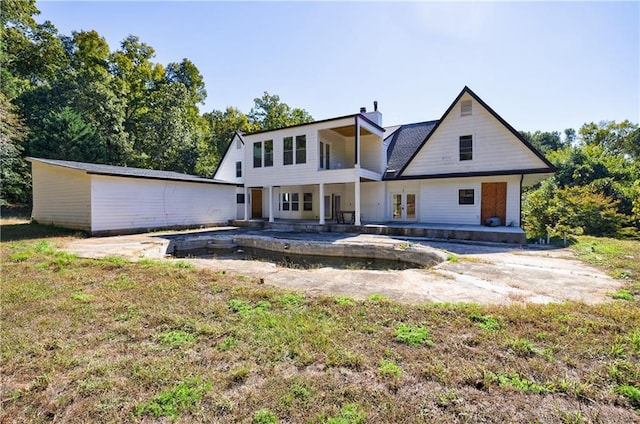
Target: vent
[465,108]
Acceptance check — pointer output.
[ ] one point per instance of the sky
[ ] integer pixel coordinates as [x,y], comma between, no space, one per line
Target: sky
[540,65]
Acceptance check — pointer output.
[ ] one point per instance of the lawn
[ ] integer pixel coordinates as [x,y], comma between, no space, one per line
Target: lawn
[113,341]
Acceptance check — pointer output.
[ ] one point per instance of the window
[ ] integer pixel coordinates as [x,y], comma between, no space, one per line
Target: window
[307,199]
[301,149]
[287,157]
[324,155]
[238,144]
[268,153]
[238,169]
[257,154]
[466,147]
[290,201]
[466,197]
[465,108]
[240,198]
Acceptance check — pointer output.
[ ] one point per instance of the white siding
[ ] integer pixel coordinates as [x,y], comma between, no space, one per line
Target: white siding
[438,200]
[372,204]
[130,203]
[495,148]
[61,196]
[227,169]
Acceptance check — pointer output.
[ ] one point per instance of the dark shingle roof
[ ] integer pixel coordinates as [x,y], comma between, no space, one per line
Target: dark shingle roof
[123,171]
[403,144]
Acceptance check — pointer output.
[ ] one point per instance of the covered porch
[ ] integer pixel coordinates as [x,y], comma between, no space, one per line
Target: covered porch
[438,231]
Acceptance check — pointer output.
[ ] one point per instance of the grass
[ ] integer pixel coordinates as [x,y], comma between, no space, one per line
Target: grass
[115,341]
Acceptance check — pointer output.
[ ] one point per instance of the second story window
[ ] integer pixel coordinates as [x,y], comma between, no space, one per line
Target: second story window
[287,157]
[268,153]
[257,154]
[301,149]
[238,169]
[466,147]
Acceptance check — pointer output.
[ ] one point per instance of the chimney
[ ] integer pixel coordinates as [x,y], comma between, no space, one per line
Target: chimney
[375,105]
[363,110]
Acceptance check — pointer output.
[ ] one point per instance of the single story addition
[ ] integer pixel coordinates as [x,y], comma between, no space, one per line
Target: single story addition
[104,199]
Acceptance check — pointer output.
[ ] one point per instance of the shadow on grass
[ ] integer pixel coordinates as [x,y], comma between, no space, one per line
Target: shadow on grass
[33,230]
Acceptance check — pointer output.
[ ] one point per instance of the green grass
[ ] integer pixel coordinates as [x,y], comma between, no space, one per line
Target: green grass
[116,341]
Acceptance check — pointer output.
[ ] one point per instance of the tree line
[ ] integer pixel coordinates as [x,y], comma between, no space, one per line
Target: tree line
[71,97]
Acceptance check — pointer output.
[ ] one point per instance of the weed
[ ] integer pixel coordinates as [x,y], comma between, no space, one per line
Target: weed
[414,336]
[487,322]
[228,343]
[622,294]
[634,340]
[349,414]
[343,301]
[183,265]
[389,368]
[238,305]
[264,416]
[20,256]
[630,392]
[378,298]
[452,258]
[447,398]
[116,261]
[239,374]
[514,380]
[171,403]
[83,297]
[292,299]
[524,348]
[175,338]
[569,417]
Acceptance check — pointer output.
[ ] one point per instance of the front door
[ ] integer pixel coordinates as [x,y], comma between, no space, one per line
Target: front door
[403,206]
[256,204]
[494,202]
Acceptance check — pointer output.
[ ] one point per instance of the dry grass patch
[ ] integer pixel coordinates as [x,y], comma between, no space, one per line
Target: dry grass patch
[112,341]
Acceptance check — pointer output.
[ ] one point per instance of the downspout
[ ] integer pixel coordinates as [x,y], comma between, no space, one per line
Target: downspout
[356,140]
[521,180]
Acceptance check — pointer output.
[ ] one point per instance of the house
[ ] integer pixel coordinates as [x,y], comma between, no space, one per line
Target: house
[462,169]
[104,199]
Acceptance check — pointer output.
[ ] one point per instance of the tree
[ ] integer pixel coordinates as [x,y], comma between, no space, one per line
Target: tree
[14,171]
[270,113]
[617,138]
[545,142]
[65,135]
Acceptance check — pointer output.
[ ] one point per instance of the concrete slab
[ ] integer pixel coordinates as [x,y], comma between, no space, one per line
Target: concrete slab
[489,273]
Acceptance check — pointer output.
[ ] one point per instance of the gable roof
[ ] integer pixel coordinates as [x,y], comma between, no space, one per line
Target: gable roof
[123,171]
[403,142]
[238,134]
[322,121]
[549,167]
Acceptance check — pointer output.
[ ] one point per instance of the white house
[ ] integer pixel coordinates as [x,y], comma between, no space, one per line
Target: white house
[104,199]
[466,167]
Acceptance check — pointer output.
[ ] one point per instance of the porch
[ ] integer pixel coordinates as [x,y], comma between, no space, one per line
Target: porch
[514,235]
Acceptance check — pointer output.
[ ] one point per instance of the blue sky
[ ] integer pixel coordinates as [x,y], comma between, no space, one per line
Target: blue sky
[541,66]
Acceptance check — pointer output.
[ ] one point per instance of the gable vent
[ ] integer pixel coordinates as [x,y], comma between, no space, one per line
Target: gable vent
[465,108]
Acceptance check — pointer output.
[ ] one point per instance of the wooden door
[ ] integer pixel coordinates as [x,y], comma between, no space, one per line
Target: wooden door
[256,204]
[494,202]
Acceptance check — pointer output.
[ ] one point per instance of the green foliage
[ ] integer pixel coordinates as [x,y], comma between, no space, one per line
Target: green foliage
[349,414]
[264,416]
[515,381]
[183,397]
[14,171]
[622,294]
[343,301]
[175,338]
[414,336]
[630,392]
[486,322]
[389,368]
[270,113]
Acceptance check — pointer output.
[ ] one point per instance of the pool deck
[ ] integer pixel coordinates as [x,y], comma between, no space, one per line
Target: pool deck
[435,231]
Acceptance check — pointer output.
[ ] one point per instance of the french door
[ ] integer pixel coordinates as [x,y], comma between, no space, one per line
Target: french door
[403,206]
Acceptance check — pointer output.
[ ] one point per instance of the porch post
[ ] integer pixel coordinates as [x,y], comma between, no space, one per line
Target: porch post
[270,203]
[246,203]
[321,196]
[357,205]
